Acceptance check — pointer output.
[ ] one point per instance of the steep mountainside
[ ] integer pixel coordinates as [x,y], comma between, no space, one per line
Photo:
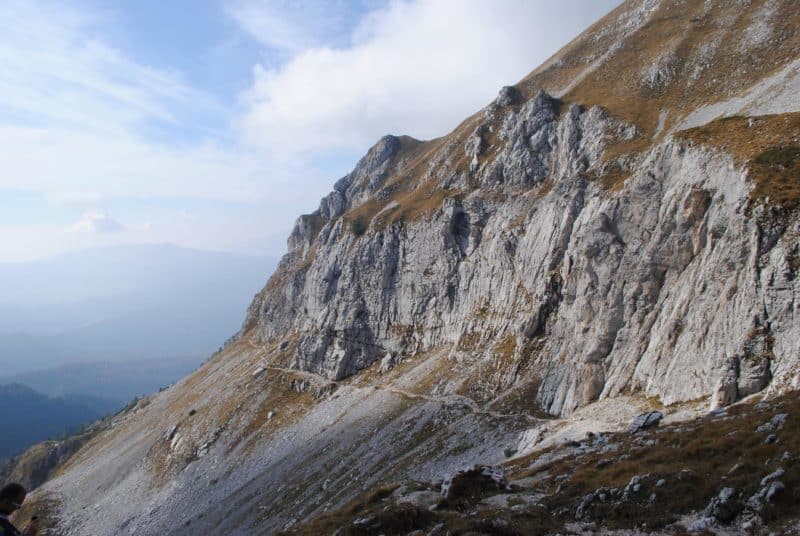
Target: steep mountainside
[616,232]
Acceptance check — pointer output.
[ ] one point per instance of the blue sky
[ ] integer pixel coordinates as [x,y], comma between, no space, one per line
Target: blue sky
[214,123]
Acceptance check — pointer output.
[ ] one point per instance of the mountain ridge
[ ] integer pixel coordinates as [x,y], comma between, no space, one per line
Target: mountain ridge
[567,258]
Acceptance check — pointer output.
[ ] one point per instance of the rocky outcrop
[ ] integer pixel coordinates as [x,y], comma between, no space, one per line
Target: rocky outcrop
[662,287]
[38,463]
[664,481]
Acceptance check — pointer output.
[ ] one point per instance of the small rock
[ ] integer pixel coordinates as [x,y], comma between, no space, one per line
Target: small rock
[387,363]
[634,486]
[169,435]
[270,415]
[724,507]
[499,523]
[480,476]
[774,424]
[771,438]
[699,525]
[509,451]
[772,477]
[436,530]
[424,499]
[775,489]
[362,521]
[751,522]
[735,468]
[258,372]
[771,487]
[661,483]
[779,420]
[583,510]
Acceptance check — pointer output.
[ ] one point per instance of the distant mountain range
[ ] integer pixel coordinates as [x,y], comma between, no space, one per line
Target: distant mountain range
[123,303]
[28,417]
[106,386]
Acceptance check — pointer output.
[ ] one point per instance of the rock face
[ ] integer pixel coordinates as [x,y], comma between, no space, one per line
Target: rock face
[655,271]
[614,232]
[662,287]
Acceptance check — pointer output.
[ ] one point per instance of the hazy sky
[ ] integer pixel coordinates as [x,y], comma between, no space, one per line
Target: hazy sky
[214,123]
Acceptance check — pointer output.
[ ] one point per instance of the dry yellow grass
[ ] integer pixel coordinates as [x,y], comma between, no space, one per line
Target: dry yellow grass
[768,145]
[693,458]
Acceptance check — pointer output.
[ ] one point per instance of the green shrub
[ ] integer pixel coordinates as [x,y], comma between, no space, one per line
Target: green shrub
[358,226]
[781,156]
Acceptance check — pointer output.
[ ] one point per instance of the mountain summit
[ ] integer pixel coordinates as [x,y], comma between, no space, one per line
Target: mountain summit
[616,233]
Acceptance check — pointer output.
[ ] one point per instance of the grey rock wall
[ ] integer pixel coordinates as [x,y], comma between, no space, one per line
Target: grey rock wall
[669,286]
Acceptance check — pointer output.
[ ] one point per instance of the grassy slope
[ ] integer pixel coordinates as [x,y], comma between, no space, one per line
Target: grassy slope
[694,458]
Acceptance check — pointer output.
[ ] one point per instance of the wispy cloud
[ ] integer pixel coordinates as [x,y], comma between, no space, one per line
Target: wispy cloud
[56,70]
[297,25]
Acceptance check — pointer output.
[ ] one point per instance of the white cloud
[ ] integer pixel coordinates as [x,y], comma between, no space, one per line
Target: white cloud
[292,25]
[415,67]
[97,221]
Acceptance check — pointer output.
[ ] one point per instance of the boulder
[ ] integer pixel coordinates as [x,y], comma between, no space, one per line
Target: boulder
[634,487]
[508,95]
[702,524]
[774,424]
[771,487]
[772,477]
[424,499]
[645,420]
[474,481]
[387,363]
[725,506]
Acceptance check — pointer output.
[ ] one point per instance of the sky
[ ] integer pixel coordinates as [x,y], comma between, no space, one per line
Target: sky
[213,124]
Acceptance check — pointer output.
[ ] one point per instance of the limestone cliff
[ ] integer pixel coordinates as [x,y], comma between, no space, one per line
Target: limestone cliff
[605,252]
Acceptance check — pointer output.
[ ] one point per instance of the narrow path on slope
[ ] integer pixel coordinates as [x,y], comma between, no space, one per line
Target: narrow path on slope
[445,400]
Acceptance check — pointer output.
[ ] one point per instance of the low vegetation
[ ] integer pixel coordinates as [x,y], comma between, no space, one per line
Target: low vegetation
[658,477]
[768,145]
